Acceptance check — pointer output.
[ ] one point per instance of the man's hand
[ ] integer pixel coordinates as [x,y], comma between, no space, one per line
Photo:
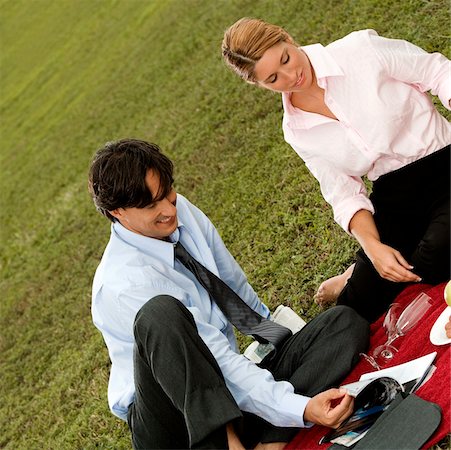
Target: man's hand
[329,408]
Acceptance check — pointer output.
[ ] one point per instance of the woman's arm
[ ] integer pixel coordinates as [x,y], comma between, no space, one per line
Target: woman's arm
[411,64]
[388,262]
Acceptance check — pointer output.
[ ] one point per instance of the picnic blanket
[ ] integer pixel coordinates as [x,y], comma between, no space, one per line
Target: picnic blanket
[414,344]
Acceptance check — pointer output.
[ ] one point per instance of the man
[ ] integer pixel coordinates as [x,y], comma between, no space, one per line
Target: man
[176,374]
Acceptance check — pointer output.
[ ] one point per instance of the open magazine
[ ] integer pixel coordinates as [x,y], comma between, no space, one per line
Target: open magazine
[283,315]
[374,393]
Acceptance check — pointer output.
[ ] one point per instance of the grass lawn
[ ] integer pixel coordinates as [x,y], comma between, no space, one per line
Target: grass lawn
[78,73]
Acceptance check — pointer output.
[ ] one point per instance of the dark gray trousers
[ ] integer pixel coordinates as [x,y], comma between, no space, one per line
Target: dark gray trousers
[181,399]
[412,215]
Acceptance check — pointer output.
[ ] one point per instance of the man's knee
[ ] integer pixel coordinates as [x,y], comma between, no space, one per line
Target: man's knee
[161,314]
[347,316]
[350,323]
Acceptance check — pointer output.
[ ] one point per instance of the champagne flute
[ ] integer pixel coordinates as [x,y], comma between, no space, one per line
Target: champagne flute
[406,321]
[390,328]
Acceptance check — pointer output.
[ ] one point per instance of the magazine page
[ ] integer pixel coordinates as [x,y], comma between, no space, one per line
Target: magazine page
[373,394]
[370,402]
[411,371]
[283,315]
[404,373]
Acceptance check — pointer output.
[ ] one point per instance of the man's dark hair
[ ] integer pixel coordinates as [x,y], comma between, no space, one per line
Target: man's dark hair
[117,177]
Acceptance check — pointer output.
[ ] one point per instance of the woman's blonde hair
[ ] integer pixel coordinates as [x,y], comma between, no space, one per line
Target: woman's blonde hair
[245,42]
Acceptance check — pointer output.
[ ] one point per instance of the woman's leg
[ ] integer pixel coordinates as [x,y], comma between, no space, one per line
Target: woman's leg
[366,291]
[181,400]
[412,216]
[431,257]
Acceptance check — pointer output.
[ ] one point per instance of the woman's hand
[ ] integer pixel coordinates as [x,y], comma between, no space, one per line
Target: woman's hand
[448,328]
[329,408]
[390,264]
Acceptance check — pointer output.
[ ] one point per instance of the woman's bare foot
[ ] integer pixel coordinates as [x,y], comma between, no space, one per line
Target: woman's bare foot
[330,289]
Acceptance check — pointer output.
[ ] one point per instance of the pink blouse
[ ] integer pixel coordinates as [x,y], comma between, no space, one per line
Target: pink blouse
[376,88]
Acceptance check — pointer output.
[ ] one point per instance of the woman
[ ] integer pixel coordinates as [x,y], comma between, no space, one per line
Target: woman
[358,107]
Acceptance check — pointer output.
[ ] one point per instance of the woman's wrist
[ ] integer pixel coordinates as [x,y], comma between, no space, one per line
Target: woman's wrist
[369,245]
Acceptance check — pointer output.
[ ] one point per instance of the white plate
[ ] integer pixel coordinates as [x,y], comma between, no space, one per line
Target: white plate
[438,335]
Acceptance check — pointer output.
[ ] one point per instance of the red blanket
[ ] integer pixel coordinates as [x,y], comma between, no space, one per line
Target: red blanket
[416,343]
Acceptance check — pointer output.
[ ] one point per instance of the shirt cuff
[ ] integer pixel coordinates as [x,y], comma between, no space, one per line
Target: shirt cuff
[444,91]
[445,98]
[294,405]
[347,209]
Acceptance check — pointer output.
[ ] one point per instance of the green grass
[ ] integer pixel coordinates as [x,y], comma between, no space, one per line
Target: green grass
[77,73]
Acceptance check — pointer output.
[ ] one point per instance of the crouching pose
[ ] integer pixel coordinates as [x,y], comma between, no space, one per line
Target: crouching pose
[359,107]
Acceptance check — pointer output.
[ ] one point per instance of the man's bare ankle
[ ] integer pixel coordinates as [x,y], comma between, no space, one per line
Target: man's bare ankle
[271,446]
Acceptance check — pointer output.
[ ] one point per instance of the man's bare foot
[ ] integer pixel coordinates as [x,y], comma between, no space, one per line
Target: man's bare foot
[330,289]
[271,446]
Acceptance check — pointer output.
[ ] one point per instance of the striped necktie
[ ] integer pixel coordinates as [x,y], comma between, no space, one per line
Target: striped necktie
[239,313]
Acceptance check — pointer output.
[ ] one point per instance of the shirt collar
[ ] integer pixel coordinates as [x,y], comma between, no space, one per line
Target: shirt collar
[323,63]
[156,248]
[325,67]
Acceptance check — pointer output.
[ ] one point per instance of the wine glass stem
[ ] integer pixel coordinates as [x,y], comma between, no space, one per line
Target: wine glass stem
[392,339]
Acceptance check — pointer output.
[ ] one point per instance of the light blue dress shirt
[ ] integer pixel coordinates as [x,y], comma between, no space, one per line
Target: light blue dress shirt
[136,268]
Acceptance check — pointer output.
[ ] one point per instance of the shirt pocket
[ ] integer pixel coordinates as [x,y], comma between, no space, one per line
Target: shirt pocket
[389,118]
